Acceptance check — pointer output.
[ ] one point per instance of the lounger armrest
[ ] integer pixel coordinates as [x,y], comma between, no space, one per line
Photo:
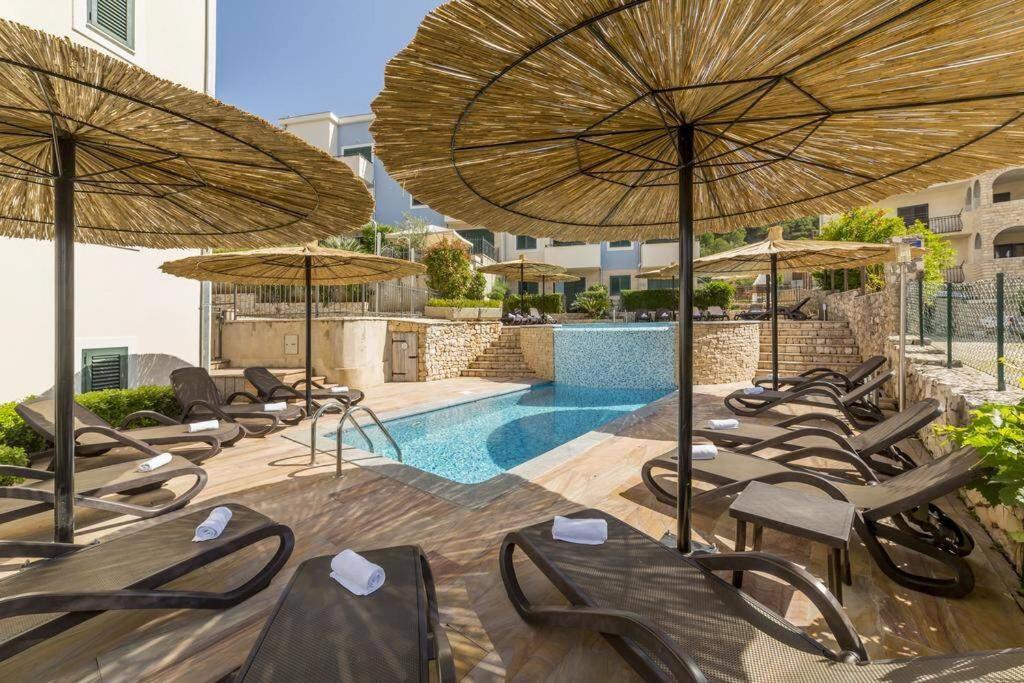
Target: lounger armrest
[25,472]
[121,437]
[284,392]
[186,411]
[800,579]
[838,454]
[792,476]
[37,549]
[313,382]
[789,437]
[820,387]
[147,415]
[817,417]
[102,601]
[251,398]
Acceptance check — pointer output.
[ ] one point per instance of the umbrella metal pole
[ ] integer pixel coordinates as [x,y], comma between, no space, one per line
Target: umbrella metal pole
[522,289]
[901,385]
[309,335]
[775,322]
[685,356]
[64,370]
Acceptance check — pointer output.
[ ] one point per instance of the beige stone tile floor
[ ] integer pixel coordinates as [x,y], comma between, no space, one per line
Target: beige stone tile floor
[365,509]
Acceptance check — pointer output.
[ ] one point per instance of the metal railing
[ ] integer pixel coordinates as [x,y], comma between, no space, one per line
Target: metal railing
[977,324]
[289,302]
[942,225]
[483,247]
[954,274]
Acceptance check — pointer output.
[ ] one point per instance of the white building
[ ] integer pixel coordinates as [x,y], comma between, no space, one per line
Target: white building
[129,315]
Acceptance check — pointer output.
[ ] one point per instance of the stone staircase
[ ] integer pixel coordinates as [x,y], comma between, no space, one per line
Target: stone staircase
[809,344]
[503,358]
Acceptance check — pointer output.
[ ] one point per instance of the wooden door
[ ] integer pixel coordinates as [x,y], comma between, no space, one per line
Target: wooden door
[404,357]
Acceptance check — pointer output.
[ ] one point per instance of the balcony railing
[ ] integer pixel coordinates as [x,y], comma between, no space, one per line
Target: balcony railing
[361,166]
[483,247]
[942,225]
[954,274]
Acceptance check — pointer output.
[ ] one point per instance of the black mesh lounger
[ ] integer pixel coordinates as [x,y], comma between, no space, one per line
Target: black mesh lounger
[321,632]
[75,583]
[201,400]
[845,381]
[899,510]
[269,388]
[95,436]
[876,445]
[855,405]
[35,493]
[672,619]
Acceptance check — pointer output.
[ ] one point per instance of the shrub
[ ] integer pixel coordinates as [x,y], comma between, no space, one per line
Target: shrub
[649,299]
[12,455]
[448,271]
[549,303]
[464,303]
[499,291]
[113,405]
[595,302]
[714,293]
[477,286]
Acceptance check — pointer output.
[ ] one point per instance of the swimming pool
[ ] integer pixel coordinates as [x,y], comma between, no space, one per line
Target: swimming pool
[476,441]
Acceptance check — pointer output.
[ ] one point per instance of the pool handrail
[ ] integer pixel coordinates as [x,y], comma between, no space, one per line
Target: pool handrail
[346,416]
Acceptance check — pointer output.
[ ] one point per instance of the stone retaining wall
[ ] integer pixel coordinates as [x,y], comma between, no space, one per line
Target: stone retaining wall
[446,348]
[537,343]
[725,352]
[872,316]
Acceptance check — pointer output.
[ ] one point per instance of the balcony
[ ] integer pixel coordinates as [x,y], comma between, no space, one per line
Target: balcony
[658,254]
[361,166]
[573,255]
[943,225]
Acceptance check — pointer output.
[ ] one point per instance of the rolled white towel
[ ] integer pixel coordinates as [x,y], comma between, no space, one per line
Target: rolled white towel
[703,451]
[275,407]
[214,525]
[724,424]
[753,391]
[204,426]
[154,462]
[357,574]
[340,389]
[582,531]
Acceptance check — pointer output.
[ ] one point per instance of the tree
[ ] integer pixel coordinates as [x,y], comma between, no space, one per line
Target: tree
[714,293]
[714,243]
[368,236]
[448,271]
[595,302]
[498,291]
[345,243]
[874,225]
[800,228]
[477,286]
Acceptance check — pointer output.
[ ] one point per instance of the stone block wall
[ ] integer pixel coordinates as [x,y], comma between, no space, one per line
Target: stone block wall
[872,316]
[446,348]
[725,352]
[538,346]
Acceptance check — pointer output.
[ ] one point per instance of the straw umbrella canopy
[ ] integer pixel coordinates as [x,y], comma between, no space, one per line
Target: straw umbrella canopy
[775,253]
[95,150]
[523,270]
[304,266]
[642,119]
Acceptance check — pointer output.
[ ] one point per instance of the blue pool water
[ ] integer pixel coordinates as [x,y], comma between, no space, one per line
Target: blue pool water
[476,441]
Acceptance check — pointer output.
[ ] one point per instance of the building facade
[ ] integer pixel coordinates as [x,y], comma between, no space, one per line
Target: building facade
[616,265]
[132,321]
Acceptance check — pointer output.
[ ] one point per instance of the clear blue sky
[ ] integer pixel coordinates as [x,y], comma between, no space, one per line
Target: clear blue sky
[286,58]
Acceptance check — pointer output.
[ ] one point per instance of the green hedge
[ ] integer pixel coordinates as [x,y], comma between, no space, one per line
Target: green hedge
[113,405]
[714,293]
[549,303]
[464,303]
[649,299]
[12,455]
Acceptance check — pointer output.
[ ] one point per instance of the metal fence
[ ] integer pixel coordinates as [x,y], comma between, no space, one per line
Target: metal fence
[286,301]
[977,324]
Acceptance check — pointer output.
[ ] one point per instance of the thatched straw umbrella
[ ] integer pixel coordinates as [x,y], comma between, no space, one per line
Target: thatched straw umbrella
[643,119]
[775,253]
[95,150]
[523,270]
[305,266]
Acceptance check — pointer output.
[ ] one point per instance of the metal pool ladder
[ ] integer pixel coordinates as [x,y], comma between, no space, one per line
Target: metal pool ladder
[348,412]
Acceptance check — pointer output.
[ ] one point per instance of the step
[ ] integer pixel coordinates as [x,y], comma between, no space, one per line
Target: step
[810,324]
[819,358]
[789,368]
[814,349]
[477,365]
[809,334]
[495,373]
[499,357]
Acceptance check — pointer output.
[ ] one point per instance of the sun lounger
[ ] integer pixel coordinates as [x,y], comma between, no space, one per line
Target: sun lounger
[845,381]
[794,312]
[876,445]
[672,619]
[716,313]
[754,312]
[201,400]
[899,511]
[269,389]
[697,314]
[855,405]
[320,631]
[95,436]
[643,316]
[664,315]
[75,582]
[35,493]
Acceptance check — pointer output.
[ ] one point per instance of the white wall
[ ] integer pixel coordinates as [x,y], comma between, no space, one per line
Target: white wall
[122,299]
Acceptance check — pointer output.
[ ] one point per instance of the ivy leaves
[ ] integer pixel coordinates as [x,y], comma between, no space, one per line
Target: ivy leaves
[996,432]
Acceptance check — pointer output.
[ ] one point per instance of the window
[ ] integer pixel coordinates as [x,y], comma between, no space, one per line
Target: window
[559,243]
[364,151]
[917,212]
[532,288]
[105,368]
[415,203]
[570,290]
[661,284]
[999,197]
[524,242]
[620,244]
[1009,243]
[977,241]
[114,19]
[618,284]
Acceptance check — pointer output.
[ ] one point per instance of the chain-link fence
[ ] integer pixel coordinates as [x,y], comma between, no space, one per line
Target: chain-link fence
[975,323]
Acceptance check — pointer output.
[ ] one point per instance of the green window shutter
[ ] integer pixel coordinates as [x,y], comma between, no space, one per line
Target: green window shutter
[114,18]
[364,152]
[104,369]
